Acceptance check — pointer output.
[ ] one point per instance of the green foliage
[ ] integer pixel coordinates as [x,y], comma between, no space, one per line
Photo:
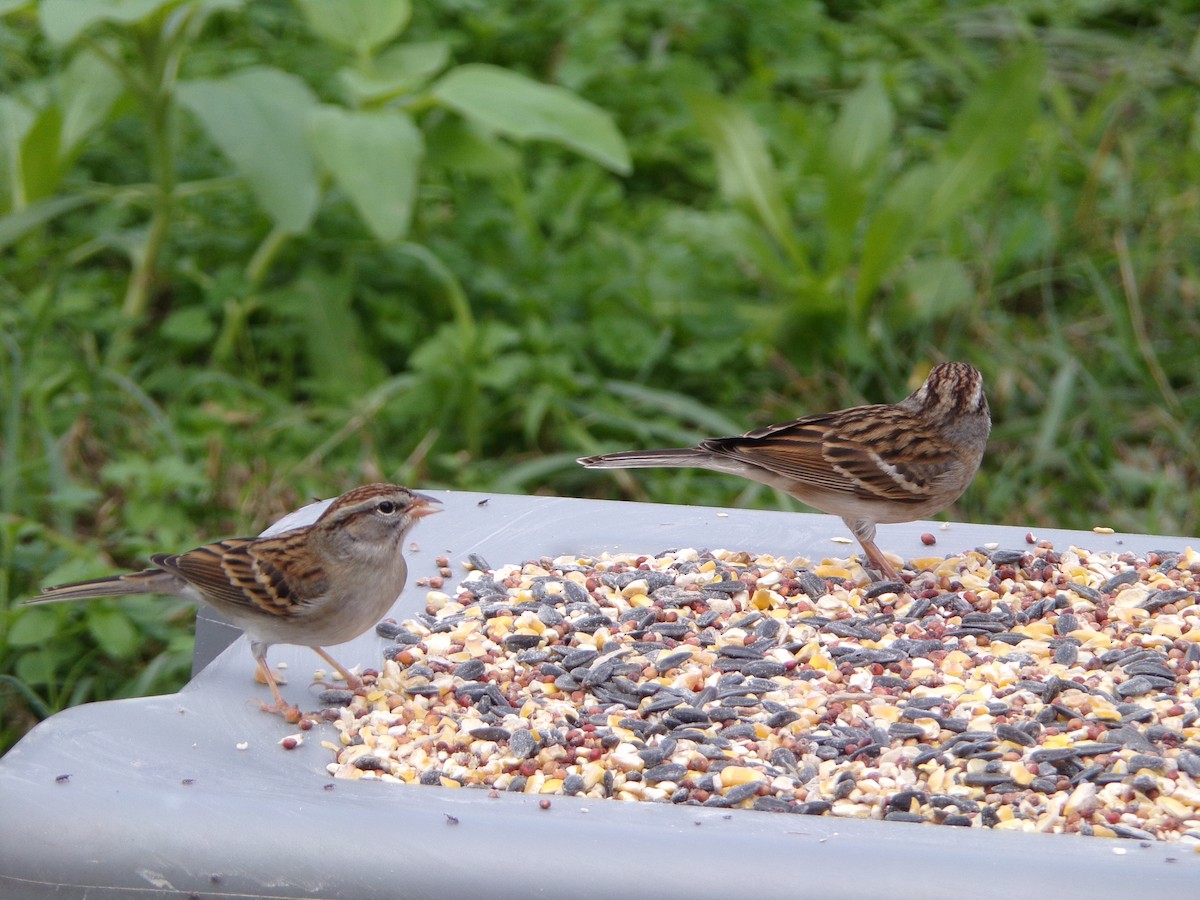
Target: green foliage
[257,252]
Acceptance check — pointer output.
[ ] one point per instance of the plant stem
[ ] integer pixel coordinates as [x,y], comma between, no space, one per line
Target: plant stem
[451,289]
[162,164]
[256,269]
[9,470]
[467,333]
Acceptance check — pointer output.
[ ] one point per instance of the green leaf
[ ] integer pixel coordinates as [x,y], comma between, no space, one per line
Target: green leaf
[16,225]
[34,625]
[40,169]
[747,175]
[397,70]
[339,367]
[113,631]
[7,6]
[987,135]
[357,25]
[520,107]
[41,666]
[191,327]
[258,118]
[937,288]
[863,127]
[457,145]
[375,158]
[675,405]
[88,89]
[894,228]
[64,20]
[15,121]
[856,146]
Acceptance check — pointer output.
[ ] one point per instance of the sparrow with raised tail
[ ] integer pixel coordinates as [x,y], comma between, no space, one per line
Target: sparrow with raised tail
[869,464]
[324,583]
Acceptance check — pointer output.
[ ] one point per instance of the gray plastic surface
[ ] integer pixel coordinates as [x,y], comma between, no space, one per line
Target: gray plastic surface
[160,800]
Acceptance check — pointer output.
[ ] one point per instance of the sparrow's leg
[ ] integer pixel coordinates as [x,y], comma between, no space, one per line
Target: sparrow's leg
[879,562]
[352,680]
[865,532]
[290,713]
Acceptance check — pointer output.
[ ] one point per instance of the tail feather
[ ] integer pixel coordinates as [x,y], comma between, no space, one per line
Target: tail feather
[150,581]
[683,457]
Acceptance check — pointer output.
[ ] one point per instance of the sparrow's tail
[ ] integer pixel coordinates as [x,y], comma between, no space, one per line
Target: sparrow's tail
[151,581]
[649,459]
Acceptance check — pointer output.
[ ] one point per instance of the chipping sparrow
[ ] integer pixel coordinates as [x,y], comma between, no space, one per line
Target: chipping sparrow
[869,464]
[323,583]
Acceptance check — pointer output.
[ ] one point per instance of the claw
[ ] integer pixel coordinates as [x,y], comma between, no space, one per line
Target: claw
[290,712]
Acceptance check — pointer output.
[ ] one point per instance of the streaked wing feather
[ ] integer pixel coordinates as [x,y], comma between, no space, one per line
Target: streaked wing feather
[903,466]
[791,449]
[246,573]
[873,453]
[204,570]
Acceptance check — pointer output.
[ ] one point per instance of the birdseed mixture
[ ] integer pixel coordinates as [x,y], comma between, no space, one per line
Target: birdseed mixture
[1026,690]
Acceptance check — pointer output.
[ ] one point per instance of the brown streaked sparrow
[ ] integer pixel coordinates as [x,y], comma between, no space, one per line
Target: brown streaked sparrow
[324,583]
[869,464]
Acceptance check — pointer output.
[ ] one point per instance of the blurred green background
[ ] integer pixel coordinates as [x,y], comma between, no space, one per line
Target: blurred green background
[258,252]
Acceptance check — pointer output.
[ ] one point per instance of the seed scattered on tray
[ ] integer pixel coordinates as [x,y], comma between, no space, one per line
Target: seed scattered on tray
[1024,690]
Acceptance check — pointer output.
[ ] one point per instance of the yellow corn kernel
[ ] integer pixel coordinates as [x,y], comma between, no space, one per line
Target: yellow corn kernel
[732,776]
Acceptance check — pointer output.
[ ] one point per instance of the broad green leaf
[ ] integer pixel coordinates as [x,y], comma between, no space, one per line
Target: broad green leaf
[87,91]
[458,145]
[40,154]
[748,177]
[41,666]
[894,228]
[190,326]
[357,25]
[64,20]
[987,134]
[340,369]
[398,69]
[375,158]
[113,631]
[7,6]
[856,146]
[985,137]
[937,288]
[863,127]
[736,233]
[258,118]
[522,108]
[15,121]
[33,626]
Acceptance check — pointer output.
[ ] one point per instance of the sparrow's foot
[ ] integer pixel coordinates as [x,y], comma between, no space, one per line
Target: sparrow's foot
[290,712]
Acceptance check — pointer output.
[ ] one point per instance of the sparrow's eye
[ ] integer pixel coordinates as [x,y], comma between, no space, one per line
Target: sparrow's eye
[387,507]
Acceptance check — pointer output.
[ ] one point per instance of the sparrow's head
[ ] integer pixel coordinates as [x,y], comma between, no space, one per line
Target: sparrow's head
[375,515]
[953,391]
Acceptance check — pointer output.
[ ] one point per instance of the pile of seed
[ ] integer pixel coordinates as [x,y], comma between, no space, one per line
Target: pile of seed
[1029,690]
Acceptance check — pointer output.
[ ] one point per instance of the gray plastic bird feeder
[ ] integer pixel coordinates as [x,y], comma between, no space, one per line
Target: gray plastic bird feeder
[192,794]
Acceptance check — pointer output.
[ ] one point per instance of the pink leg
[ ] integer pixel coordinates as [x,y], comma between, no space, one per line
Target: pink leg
[352,680]
[289,713]
[876,558]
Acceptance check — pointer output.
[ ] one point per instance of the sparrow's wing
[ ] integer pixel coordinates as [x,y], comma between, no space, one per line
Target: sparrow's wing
[871,452]
[274,576]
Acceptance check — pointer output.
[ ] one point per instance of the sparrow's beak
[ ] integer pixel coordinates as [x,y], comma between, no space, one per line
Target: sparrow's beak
[423,505]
